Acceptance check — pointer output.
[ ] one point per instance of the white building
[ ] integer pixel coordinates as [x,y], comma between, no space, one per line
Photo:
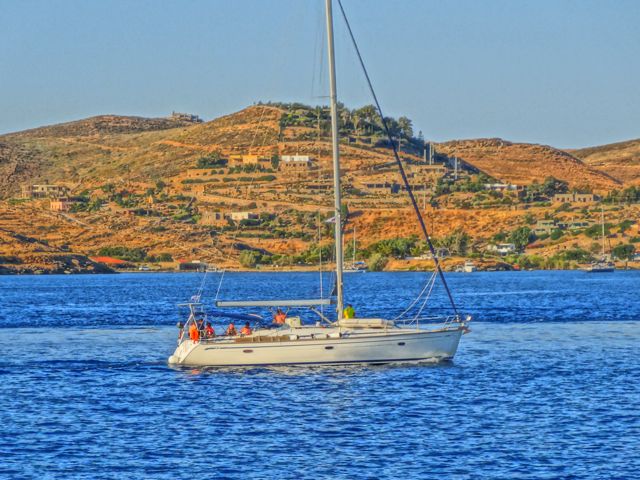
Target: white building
[502,248]
[296,162]
[502,187]
[238,216]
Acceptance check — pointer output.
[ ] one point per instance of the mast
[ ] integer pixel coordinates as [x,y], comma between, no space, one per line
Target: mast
[602,212]
[354,244]
[336,160]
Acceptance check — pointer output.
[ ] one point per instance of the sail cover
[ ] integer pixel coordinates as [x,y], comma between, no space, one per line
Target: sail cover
[273,303]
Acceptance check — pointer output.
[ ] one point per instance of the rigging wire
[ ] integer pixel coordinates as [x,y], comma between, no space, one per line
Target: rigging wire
[426,299]
[398,161]
[219,286]
[426,285]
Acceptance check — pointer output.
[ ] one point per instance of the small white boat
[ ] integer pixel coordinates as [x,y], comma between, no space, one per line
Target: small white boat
[355,267]
[469,267]
[345,340]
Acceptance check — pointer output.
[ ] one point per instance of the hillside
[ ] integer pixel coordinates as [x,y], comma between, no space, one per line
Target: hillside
[157,191]
[523,163]
[121,149]
[102,125]
[23,250]
[134,149]
[621,160]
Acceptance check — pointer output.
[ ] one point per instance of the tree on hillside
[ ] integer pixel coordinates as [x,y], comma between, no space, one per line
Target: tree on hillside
[377,262]
[406,127]
[368,114]
[345,118]
[521,237]
[552,185]
[624,252]
[625,225]
[457,242]
[630,195]
[540,191]
[249,258]
[393,126]
[357,122]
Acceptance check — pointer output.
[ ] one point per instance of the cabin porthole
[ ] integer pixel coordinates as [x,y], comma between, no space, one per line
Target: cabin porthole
[401,344]
[247,351]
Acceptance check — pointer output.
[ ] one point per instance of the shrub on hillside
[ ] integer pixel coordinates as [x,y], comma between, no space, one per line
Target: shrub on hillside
[124,253]
[624,252]
[249,258]
[377,262]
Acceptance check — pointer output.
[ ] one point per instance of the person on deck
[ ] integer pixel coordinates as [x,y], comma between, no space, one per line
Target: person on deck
[201,326]
[349,312]
[180,330]
[246,330]
[231,330]
[279,317]
[194,333]
[209,332]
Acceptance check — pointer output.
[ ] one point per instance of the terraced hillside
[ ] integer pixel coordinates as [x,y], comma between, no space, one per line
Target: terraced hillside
[151,187]
[111,148]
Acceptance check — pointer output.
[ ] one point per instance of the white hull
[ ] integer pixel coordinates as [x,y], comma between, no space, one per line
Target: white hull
[354,347]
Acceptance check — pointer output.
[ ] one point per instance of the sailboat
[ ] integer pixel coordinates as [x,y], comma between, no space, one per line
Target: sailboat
[602,265]
[355,266]
[345,339]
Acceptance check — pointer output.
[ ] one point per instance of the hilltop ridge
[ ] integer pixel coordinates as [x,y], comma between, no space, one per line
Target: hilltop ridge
[105,147]
[102,125]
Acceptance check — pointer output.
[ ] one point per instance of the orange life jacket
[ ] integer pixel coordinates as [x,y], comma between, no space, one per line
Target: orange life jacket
[245,331]
[194,334]
[210,331]
[231,330]
[279,318]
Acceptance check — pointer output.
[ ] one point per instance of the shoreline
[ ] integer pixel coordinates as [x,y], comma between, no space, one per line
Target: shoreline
[299,270]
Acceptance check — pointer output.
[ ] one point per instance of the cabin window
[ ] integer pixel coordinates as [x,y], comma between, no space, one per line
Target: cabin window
[401,344]
[328,348]
[247,351]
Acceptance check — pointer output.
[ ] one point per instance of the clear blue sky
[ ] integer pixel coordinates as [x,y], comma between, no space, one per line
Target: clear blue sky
[561,72]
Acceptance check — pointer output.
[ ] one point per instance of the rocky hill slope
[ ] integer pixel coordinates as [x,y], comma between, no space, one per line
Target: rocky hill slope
[146,187]
[523,163]
[621,160]
[113,148]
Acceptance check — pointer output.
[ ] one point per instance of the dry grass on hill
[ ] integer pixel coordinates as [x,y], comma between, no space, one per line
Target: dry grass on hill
[621,160]
[522,163]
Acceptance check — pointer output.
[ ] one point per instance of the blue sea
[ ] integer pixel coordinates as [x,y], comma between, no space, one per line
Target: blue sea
[545,386]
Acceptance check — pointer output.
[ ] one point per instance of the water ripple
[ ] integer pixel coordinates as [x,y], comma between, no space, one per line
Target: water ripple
[536,391]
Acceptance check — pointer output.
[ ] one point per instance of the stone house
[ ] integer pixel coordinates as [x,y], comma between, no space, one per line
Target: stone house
[574,198]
